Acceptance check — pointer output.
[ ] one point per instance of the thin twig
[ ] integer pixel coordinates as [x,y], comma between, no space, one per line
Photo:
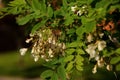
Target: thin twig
[116,75]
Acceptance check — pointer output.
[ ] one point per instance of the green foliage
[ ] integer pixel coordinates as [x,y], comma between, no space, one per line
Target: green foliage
[86,29]
[47,74]
[118,67]
[61,72]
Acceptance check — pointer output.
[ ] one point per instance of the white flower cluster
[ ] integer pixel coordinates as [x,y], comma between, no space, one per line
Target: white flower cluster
[101,63]
[45,45]
[95,46]
[94,49]
[79,10]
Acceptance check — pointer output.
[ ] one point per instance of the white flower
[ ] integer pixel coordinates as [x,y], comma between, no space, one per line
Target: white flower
[73,8]
[63,46]
[40,35]
[59,45]
[50,52]
[97,57]
[94,69]
[28,40]
[91,48]
[23,51]
[101,45]
[100,62]
[42,56]
[89,38]
[101,35]
[50,40]
[36,58]
[79,13]
[53,41]
[91,52]
[47,60]
[109,67]
[85,6]
[51,56]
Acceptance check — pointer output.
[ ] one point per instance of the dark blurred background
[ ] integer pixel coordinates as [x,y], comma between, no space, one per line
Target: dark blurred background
[12,38]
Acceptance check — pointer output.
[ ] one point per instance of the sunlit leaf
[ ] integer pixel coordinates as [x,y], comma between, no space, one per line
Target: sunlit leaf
[73,44]
[69,58]
[79,68]
[80,51]
[70,51]
[79,60]
[16,3]
[69,66]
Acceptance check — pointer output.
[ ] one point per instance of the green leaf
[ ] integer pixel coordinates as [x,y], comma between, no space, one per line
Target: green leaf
[106,53]
[68,20]
[79,59]
[70,51]
[90,26]
[54,76]
[118,67]
[65,4]
[71,31]
[57,12]
[69,66]
[46,74]
[103,3]
[80,31]
[43,7]
[38,25]
[24,20]
[16,3]
[68,58]
[117,51]
[89,1]
[115,60]
[14,10]
[50,11]
[91,13]
[36,4]
[61,72]
[73,44]
[80,51]
[79,68]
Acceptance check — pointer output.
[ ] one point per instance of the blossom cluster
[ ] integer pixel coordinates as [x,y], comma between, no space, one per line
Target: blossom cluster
[79,10]
[45,45]
[95,47]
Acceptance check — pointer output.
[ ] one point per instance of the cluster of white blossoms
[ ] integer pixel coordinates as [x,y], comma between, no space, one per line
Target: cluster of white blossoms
[44,45]
[79,10]
[94,48]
